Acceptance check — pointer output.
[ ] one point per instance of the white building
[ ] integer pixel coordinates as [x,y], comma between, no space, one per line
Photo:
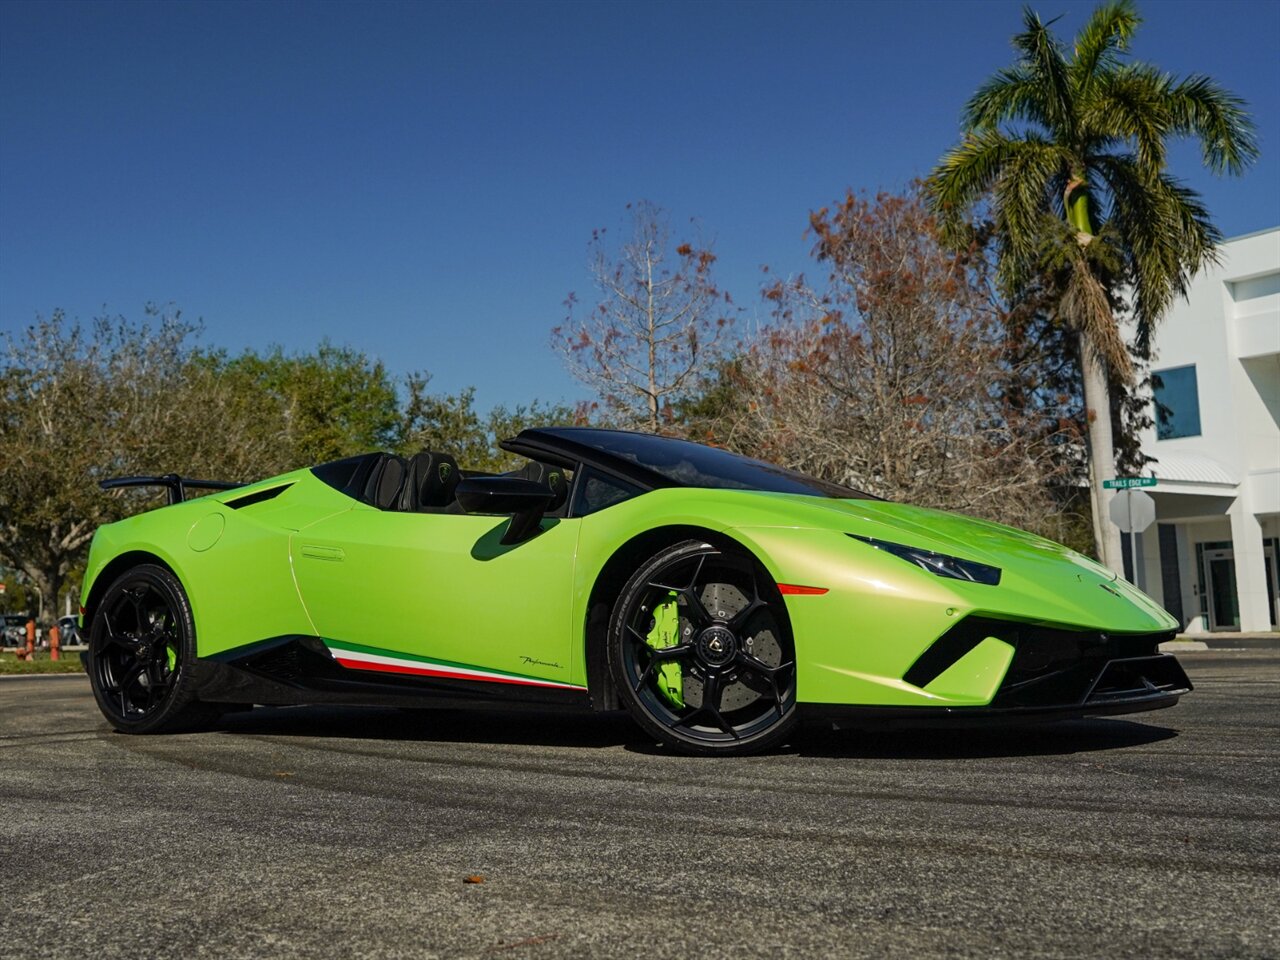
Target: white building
[1212,556]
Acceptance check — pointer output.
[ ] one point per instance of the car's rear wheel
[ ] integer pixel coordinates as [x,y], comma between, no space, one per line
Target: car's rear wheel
[141,652]
[701,652]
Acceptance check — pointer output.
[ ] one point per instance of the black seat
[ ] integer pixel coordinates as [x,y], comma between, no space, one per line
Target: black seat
[433,478]
[549,476]
[386,479]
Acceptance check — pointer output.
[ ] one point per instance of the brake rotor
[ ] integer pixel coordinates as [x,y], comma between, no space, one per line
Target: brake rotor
[723,601]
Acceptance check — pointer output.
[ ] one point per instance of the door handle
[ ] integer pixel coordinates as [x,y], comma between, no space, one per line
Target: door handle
[314,551]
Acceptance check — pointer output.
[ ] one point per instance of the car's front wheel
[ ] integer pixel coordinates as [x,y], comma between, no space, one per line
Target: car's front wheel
[701,651]
[141,651]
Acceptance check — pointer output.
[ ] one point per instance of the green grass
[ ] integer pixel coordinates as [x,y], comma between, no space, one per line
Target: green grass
[70,663]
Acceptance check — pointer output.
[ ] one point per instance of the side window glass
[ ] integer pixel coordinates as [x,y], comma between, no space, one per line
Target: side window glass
[597,491]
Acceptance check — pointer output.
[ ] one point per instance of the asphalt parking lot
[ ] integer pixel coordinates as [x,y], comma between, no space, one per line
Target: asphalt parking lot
[318,832]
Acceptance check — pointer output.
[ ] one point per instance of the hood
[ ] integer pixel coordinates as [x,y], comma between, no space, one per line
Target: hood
[1054,581]
[953,533]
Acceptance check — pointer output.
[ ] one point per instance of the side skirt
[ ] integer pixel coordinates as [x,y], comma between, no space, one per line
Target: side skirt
[291,670]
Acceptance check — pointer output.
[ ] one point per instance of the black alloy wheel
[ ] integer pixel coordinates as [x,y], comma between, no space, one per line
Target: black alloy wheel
[701,652]
[141,647]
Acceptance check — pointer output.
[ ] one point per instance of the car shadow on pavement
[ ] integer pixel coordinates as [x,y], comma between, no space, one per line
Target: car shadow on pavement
[942,742]
[599,730]
[437,724]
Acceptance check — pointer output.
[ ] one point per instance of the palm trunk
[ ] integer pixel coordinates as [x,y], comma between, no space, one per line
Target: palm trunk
[1102,456]
[1097,403]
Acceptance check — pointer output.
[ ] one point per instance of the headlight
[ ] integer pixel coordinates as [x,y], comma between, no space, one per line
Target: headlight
[938,563]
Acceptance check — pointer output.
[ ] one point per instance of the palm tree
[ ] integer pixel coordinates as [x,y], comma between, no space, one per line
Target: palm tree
[1068,149]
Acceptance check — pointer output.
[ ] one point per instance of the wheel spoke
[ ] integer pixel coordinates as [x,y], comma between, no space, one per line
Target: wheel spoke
[712,691]
[739,620]
[124,643]
[661,655]
[131,677]
[140,616]
[759,667]
[694,608]
[697,572]
[116,639]
[767,673]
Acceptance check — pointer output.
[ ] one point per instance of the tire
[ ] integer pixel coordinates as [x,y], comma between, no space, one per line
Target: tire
[142,648]
[701,653]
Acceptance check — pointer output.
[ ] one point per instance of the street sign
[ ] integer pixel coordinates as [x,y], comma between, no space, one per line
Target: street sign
[1133,511]
[1125,483]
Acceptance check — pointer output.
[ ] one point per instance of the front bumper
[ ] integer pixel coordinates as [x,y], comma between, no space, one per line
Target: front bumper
[1114,687]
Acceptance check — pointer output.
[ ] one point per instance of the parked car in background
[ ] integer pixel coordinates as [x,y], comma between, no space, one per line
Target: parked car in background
[13,629]
[69,631]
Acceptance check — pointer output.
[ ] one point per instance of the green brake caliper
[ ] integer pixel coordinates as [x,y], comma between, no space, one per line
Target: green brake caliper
[666,633]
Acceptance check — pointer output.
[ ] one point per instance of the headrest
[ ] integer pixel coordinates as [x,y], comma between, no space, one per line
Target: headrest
[385,480]
[433,478]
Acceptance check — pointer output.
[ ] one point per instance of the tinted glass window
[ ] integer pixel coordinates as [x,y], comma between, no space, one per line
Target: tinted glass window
[694,465]
[1177,403]
[597,491]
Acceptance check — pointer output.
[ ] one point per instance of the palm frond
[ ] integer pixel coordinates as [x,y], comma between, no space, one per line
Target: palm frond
[1198,107]
[963,176]
[1129,105]
[1044,61]
[1166,231]
[1021,196]
[1100,42]
[1011,94]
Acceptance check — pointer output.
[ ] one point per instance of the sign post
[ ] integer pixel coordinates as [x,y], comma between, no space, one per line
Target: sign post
[1132,511]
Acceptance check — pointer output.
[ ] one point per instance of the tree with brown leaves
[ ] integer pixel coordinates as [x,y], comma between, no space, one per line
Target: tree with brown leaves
[900,375]
[657,324]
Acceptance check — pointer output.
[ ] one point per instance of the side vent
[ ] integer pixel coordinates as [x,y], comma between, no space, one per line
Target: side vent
[258,496]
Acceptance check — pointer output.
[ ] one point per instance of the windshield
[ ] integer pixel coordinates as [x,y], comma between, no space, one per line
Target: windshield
[695,465]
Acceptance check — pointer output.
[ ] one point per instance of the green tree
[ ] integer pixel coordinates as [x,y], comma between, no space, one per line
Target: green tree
[82,403]
[451,423]
[1069,149]
[325,404]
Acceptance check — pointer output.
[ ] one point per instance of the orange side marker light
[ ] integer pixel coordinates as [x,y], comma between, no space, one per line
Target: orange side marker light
[795,589]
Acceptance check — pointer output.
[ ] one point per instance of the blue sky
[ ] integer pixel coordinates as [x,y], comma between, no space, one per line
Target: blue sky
[420,181]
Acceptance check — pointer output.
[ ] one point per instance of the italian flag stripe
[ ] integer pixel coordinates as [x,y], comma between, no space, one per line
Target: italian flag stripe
[356,657]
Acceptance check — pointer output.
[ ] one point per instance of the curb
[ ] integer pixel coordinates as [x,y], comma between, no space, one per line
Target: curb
[1183,646]
[1234,641]
[81,675]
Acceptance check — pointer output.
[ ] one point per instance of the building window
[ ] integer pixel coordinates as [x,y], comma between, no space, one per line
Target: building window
[1177,403]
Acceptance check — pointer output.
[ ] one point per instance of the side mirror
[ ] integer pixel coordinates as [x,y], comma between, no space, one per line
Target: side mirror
[525,500]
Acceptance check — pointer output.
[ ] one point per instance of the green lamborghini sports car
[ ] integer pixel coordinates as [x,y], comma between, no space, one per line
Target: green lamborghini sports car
[717,598]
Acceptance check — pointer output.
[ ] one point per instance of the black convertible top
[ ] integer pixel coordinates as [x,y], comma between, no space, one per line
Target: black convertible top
[653,461]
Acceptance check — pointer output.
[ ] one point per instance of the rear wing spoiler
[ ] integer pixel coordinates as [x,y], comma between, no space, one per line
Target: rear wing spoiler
[176,485]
